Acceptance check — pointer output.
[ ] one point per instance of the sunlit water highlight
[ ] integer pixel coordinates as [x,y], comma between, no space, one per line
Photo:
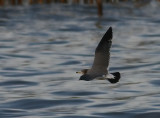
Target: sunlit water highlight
[41,48]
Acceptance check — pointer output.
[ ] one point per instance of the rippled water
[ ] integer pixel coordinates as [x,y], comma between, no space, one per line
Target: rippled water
[41,48]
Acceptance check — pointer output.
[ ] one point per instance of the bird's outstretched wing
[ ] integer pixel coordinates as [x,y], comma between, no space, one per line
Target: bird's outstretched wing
[102,52]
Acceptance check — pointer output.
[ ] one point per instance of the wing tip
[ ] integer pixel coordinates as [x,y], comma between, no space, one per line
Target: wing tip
[109,31]
[108,35]
[110,28]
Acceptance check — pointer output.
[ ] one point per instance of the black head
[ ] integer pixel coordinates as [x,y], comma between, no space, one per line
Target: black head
[85,77]
[84,71]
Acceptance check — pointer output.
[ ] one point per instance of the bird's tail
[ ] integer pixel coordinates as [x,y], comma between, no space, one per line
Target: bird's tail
[116,78]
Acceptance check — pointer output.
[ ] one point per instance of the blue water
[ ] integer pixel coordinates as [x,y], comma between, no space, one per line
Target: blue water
[42,47]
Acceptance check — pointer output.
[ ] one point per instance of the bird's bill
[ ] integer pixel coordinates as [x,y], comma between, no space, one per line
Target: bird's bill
[79,72]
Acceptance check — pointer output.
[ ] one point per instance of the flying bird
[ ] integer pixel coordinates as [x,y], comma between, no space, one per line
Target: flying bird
[99,69]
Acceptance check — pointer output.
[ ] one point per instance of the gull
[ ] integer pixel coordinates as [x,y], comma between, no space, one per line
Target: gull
[100,69]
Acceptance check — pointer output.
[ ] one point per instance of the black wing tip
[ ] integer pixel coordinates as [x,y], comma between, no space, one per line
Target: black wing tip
[109,31]
[108,34]
[110,28]
[116,79]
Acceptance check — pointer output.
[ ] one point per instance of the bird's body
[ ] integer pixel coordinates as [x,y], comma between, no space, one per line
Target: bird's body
[100,65]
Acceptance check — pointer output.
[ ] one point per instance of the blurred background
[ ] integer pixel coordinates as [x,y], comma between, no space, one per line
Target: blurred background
[44,42]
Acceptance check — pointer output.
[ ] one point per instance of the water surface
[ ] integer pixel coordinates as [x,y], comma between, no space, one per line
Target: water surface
[42,46]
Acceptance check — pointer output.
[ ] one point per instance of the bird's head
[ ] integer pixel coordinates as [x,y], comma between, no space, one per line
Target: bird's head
[83,71]
[85,77]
